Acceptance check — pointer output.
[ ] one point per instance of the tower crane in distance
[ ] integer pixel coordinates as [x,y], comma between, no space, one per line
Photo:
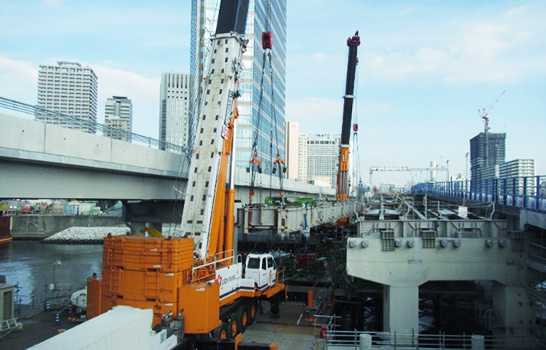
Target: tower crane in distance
[484,113]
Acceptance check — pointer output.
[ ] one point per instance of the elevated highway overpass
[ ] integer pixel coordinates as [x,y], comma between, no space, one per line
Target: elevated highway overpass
[48,161]
[40,160]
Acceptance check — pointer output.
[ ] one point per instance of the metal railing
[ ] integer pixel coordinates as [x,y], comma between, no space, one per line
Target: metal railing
[72,122]
[336,339]
[527,192]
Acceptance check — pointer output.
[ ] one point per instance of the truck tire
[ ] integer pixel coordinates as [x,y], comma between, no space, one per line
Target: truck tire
[243,317]
[252,311]
[221,332]
[234,327]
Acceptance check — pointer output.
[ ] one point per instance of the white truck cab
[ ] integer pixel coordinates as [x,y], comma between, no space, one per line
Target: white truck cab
[262,269]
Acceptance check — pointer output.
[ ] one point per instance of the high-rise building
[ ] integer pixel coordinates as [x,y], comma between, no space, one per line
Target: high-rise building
[71,90]
[510,169]
[517,168]
[486,150]
[118,118]
[302,158]
[323,157]
[173,109]
[261,112]
[292,150]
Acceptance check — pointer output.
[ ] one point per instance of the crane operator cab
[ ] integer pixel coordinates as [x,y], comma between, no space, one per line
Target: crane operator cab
[262,269]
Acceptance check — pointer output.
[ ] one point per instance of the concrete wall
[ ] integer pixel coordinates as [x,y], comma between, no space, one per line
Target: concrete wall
[36,226]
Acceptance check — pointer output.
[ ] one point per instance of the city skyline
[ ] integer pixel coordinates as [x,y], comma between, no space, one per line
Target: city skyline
[425,68]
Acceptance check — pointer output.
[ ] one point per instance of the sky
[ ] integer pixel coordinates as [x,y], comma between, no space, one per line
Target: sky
[425,69]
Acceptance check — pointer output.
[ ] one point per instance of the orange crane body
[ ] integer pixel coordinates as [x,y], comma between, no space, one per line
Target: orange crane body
[194,283]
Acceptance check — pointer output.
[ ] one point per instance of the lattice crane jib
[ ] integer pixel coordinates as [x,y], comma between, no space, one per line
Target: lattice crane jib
[208,171]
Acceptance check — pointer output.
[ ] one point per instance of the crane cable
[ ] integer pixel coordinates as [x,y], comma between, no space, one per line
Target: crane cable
[278,163]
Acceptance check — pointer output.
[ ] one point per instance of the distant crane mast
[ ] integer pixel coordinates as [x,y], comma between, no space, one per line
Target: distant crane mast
[484,113]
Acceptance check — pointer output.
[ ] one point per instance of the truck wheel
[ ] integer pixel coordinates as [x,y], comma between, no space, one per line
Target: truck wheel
[221,332]
[233,326]
[243,317]
[252,310]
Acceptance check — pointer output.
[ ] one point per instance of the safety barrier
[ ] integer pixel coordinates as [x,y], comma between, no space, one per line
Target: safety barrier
[527,192]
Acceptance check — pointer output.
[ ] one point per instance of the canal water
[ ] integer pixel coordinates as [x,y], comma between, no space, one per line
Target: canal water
[33,266]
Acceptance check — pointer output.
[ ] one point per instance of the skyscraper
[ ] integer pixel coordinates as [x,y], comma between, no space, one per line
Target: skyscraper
[323,157]
[70,89]
[173,109]
[292,150]
[118,118]
[257,119]
[302,158]
[486,150]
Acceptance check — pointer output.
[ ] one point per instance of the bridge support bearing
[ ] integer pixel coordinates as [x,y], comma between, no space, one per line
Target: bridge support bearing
[517,315]
[401,309]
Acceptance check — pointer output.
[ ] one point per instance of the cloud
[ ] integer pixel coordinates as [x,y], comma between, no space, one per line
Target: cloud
[316,115]
[504,48]
[19,80]
[143,92]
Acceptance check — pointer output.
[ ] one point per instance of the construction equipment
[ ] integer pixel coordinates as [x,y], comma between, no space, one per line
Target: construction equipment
[195,283]
[342,175]
[484,113]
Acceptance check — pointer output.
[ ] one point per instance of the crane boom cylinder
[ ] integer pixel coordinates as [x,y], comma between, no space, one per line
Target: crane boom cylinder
[353,44]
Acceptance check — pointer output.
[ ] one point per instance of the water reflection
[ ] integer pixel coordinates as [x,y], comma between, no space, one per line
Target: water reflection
[30,264]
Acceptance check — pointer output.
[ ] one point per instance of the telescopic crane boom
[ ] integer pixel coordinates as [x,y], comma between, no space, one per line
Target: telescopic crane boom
[195,282]
[342,183]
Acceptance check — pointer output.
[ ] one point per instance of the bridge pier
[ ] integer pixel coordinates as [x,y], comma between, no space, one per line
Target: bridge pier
[150,213]
[403,257]
[401,309]
[517,315]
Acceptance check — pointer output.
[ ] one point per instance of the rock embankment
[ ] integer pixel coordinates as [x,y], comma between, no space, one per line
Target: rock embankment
[86,235]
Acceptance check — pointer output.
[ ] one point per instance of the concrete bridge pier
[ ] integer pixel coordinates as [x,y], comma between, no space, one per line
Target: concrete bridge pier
[516,313]
[154,214]
[401,308]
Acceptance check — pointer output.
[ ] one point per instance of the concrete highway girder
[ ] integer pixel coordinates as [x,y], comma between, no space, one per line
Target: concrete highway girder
[27,180]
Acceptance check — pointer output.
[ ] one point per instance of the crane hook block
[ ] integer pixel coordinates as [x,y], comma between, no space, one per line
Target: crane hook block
[267,40]
[355,127]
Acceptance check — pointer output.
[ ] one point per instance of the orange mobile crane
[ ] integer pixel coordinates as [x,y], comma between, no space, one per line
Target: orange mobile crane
[342,183]
[195,283]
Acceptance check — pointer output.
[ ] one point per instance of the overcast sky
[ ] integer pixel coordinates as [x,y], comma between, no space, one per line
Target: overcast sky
[425,68]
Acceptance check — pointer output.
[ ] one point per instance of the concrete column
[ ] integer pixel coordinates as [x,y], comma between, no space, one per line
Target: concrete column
[365,342]
[517,315]
[401,309]
[478,342]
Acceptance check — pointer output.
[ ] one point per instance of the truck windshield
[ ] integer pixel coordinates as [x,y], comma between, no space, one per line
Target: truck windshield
[253,263]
